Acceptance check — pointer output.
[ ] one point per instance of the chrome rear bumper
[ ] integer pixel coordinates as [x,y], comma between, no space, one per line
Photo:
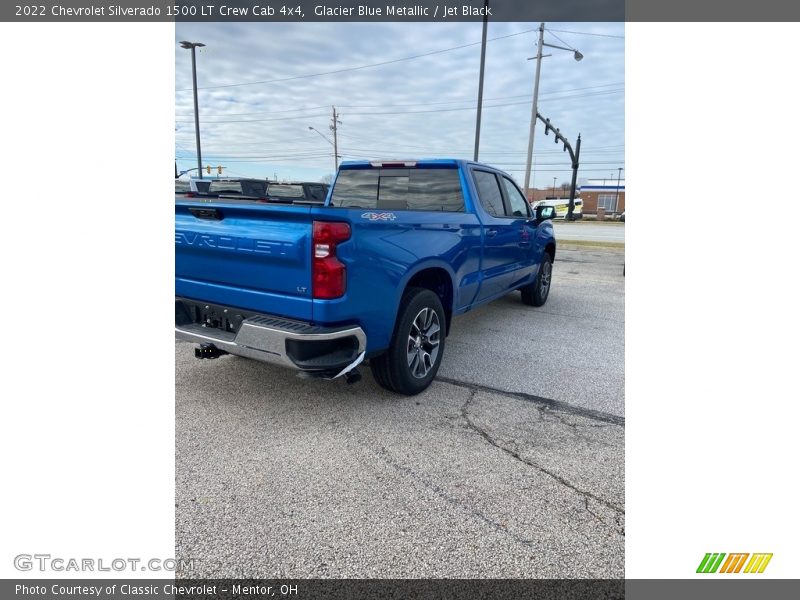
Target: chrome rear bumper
[276,340]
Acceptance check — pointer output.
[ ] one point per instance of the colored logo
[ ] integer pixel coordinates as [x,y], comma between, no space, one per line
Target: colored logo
[383,216]
[713,562]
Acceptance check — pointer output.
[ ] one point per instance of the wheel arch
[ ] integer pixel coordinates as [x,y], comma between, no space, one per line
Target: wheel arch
[550,249]
[438,278]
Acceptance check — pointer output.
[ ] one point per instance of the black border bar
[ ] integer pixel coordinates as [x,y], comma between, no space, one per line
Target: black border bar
[700,588]
[317,589]
[398,10]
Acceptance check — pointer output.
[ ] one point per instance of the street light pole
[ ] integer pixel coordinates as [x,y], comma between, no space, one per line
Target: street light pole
[554,186]
[534,109]
[191,46]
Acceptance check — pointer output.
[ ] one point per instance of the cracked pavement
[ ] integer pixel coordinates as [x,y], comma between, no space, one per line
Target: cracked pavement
[479,476]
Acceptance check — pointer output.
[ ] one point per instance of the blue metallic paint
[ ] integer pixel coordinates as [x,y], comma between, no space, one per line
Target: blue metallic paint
[381,257]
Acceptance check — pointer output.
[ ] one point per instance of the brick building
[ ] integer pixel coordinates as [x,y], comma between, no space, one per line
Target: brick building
[603,193]
[535,195]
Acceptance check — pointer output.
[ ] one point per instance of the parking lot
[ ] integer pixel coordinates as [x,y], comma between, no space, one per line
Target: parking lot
[510,465]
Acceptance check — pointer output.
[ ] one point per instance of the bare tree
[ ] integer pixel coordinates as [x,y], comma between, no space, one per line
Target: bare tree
[326,179]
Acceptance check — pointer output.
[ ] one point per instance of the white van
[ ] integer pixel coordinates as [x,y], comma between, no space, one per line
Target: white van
[562,207]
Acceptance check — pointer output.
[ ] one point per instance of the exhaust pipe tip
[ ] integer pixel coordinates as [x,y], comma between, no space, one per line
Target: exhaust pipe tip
[353,376]
[208,351]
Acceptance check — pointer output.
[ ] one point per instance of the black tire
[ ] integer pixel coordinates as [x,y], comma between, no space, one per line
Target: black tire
[419,331]
[536,293]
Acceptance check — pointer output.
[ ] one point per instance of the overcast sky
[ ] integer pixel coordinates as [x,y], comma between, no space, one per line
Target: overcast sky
[422,107]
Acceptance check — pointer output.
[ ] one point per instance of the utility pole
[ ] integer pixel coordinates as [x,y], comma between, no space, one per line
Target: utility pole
[334,122]
[534,109]
[554,187]
[480,80]
[616,198]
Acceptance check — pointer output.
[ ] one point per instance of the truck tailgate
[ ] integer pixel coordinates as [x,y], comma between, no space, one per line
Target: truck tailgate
[251,256]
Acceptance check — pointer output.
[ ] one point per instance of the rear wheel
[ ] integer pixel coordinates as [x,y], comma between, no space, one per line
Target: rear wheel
[415,352]
[535,294]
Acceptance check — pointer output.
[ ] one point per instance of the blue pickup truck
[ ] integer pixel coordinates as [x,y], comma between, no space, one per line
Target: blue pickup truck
[378,272]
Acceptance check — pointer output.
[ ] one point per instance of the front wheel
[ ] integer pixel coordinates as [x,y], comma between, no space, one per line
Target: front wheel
[535,294]
[412,360]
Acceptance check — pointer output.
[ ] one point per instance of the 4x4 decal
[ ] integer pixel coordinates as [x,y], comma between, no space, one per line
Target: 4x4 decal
[379,216]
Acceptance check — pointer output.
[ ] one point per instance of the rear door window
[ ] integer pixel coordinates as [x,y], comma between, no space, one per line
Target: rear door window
[489,193]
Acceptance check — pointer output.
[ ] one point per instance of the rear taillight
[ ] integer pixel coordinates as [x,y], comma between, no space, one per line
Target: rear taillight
[329,276]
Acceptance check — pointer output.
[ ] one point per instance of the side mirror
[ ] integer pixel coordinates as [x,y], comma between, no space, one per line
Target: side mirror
[545,212]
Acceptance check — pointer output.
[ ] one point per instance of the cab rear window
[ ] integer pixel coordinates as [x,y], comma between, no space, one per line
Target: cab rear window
[419,189]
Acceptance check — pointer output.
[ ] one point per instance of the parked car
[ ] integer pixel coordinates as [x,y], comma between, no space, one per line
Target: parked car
[244,189]
[561,206]
[227,188]
[379,272]
[297,192]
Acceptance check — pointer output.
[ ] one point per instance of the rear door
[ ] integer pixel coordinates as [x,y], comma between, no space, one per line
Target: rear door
[518,211]
[501,236]
[251,256]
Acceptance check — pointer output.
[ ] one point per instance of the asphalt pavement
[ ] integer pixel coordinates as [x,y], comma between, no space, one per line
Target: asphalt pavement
[572,349]
[510,465]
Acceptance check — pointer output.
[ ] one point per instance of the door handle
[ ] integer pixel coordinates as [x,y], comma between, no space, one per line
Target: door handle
[491,232]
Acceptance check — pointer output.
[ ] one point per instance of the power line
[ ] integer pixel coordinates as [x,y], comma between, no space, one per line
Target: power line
[538,170]
[260,120]
[262,112]
[607,35]
[401,148]
[310,145]
[266,141]
[411,112]
[471,100]
[591,87]
[384,148]
[288,154]
[383,141]
[558,38]
[274,158]
[356,68]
